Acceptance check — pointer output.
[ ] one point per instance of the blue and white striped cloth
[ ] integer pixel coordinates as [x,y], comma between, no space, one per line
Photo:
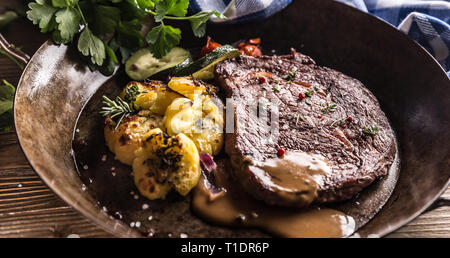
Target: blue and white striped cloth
[425,21]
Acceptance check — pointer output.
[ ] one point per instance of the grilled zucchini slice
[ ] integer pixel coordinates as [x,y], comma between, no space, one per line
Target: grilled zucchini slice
[203,68]
[143,64]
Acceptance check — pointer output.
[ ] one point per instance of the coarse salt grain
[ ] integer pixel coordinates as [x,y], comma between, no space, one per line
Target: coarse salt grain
[136,196]
[131,193]
[19,185]
[183,235]
[85,167]
[145,206]
[138,224]
[132,224]
[104,158]
[150,218]
[113,168]
[113,173]
[73,236]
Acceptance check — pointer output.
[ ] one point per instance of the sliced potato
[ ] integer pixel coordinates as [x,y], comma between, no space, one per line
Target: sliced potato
[181,116]
[127,138]
[187,86]
[150,95]
[164,162]
[200,119]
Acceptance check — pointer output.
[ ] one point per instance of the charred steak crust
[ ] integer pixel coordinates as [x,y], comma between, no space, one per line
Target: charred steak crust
[307,122]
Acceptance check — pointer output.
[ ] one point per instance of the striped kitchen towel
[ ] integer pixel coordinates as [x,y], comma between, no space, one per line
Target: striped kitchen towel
[425,21]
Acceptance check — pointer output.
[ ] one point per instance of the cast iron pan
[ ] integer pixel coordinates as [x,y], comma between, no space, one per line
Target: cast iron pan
[57,90]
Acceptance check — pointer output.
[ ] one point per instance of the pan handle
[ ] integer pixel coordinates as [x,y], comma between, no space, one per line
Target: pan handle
[10,49]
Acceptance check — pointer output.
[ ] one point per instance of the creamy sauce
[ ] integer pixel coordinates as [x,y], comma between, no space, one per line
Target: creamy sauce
[296,175]
[234,207]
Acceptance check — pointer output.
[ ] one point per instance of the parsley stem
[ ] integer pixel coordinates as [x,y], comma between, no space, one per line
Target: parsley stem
[176,17]
[82,16]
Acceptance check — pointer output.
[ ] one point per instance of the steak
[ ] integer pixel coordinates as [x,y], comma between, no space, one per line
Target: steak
[314,111]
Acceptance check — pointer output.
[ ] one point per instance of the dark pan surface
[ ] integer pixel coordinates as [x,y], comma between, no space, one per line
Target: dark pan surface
[410,85]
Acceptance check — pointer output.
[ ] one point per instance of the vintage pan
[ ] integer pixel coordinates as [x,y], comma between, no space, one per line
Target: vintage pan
[411,86]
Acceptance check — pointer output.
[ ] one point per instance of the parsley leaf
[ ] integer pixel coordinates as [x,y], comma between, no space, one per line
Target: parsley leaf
[102,19]
[6,105]
[68,21]
[6,96]
[198,21]
[6,18]
[162,38]
[42,14]
[173,7]
[91,45]
[64,3]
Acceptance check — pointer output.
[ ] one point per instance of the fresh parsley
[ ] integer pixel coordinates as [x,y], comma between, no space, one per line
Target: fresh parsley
[7,91]
[105,30]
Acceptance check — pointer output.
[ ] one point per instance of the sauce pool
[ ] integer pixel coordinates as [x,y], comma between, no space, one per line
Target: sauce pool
[234,207]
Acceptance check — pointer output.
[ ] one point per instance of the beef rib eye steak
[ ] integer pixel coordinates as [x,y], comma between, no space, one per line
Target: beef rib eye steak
[327,137]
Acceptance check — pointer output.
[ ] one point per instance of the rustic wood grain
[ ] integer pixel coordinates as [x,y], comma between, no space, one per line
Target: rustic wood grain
[28,208]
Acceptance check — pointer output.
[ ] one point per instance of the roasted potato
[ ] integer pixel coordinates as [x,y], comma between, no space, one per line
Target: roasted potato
[165,162]
[201,120]
[127,138]
[197,115]
[152,95]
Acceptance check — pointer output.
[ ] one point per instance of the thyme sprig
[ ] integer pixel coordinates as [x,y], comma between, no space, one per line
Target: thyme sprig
[116,108]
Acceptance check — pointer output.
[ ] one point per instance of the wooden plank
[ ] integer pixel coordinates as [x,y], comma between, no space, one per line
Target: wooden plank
[433,223]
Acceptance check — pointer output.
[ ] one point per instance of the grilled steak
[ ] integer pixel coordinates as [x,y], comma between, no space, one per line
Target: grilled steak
[322,115]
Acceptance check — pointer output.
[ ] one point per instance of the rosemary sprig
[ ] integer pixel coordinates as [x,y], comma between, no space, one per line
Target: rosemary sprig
[115,108]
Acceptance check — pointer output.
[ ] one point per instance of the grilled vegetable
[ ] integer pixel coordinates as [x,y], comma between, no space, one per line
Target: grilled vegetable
[143,64]
[165,162]
[203,68]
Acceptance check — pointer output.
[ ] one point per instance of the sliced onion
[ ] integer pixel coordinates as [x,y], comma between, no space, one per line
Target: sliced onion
[207,162]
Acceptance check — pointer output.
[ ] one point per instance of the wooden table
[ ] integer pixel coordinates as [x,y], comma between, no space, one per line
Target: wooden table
[28,208]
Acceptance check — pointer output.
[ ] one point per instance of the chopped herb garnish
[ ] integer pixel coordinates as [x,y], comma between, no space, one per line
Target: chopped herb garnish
[131,93]
[308,93]
[329,107]
[291,76]
[277,88]
[371,130]
[115,108]
[316,89]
